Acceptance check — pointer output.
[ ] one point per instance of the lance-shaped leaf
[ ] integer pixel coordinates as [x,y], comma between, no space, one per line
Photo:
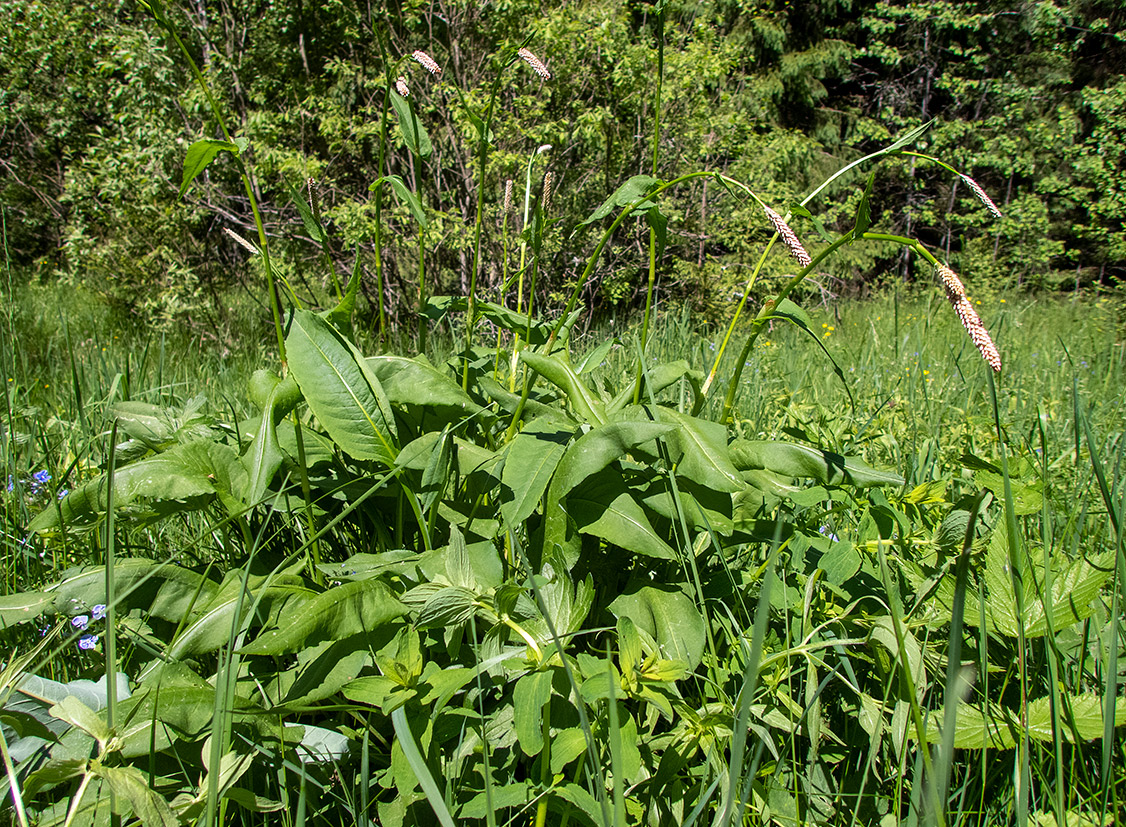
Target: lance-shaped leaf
[633,190]
[604,507]
[186,477]
[792,460]
[412,130]
[201,154]
[343,393]
[529,464]
[350,609]
[557,370]
[403,193]
[415,384]
[699,449]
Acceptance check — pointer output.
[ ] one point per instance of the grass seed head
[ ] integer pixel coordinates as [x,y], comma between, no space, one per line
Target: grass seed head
[428,63]
[975,187]
[401,87]
[789,238]
[535,63]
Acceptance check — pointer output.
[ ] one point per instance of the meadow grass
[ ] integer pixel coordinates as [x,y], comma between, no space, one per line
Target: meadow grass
[913,396]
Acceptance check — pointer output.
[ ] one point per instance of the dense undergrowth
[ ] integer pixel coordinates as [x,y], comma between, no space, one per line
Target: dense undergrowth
[825,704]
[852,564]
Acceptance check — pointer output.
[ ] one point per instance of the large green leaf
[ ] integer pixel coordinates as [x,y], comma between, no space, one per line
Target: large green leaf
[186,477]
[557,370]
[601,446]
[699,450]
[669,617]
[200,155]
[212,628]
[136,582]
[1085,712]
[587,456]
[130,784]
[412,130]
[530,695]
[529,463]
[350,609]
[533,331]
[264,456]
[416,385]
[343,394]
[604,507]
[1075,587]
[404,194]
[632,191]
[22,607]
[793,460]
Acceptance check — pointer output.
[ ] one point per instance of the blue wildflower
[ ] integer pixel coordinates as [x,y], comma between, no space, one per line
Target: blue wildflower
[42,477]
[87,642]
[825,531]
[11,483]
[99,611]
[80,622]
[63,492]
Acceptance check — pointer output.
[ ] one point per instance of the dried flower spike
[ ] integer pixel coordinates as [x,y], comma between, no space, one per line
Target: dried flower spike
[789,237]
[401,87]
[975,187]
[428,63]
[241,241]
[956,293]
[535,63]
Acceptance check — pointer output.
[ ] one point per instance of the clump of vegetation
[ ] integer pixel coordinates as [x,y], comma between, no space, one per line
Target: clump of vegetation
[539,580]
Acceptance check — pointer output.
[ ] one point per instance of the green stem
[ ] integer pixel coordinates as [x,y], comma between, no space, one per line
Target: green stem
[768,307]
[482,159]
[244,173]
[381,155]
[652,232]
[591,261]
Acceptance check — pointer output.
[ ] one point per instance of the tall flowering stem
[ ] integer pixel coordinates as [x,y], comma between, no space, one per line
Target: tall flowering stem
[482,158]
[156,8]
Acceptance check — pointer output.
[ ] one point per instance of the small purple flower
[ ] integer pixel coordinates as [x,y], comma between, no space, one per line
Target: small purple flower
[99,611]
[825,531]
[87,642]
[42,477]
[63,492]
[11,483]
[80,622]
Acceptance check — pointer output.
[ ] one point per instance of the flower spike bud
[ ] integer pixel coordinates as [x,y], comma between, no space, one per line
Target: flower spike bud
[401,87]
[314,201]
[535,63]
[982,196]
[548,181]
[242,242]
[956,293]
[789,238]
[950,281]
[428,63]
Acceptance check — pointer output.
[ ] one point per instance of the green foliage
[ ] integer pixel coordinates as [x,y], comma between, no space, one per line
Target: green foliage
[519,577]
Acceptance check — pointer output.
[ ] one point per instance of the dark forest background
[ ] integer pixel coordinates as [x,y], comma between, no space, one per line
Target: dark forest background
[97,112]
